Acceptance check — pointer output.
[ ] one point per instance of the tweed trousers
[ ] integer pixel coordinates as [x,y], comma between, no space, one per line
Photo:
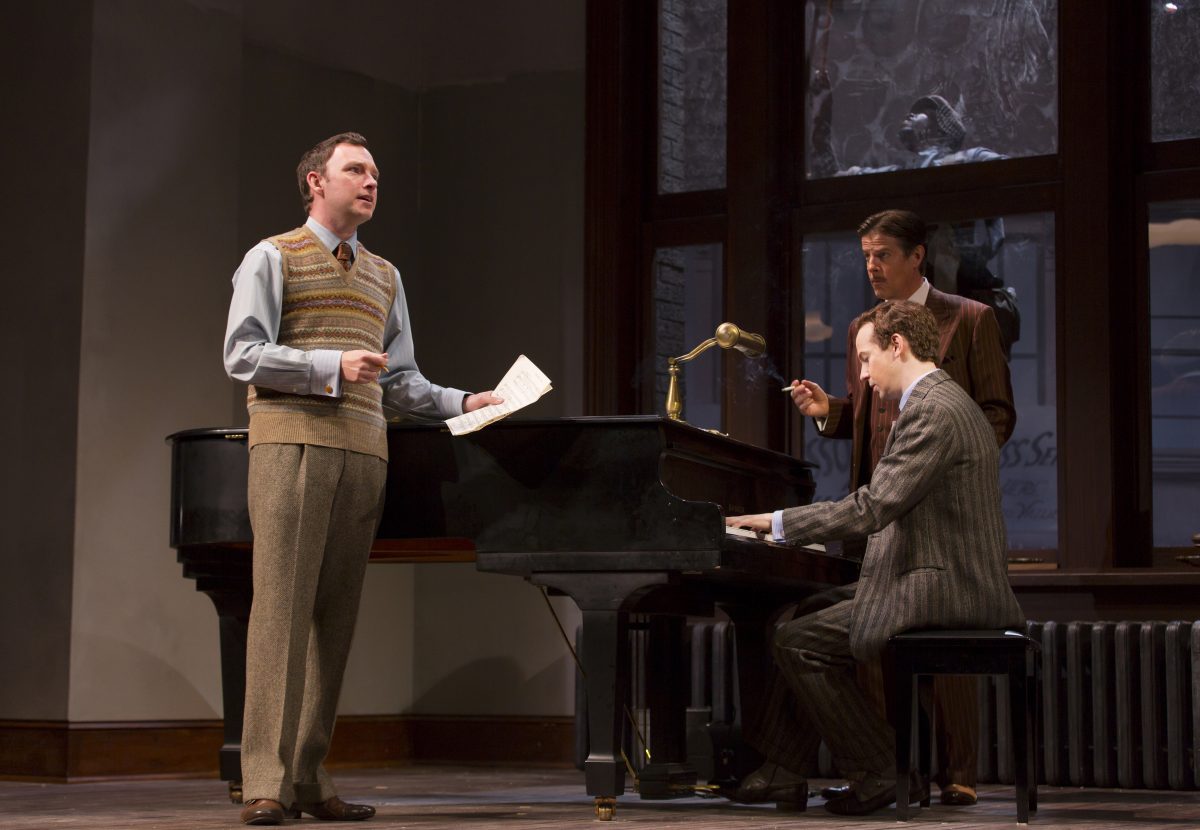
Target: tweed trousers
[314,512]
[820,698]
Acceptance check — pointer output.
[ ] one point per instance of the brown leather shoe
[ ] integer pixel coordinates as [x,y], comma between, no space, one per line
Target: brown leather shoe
[262,811]
[771,782]
[334,809]
[959,795]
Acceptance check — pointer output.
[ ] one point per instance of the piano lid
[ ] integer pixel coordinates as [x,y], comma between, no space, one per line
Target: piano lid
[571,484]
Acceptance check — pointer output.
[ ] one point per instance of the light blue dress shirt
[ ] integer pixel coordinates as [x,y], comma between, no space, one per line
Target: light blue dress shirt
[253,355]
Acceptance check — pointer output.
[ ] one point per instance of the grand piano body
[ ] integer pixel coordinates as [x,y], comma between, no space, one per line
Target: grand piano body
[624,515]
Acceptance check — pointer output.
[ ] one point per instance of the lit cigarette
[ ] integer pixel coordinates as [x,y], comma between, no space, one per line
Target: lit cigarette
[787,389]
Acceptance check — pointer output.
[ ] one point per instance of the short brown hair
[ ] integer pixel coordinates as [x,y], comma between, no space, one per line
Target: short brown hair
[912,321]
[314,161]
[902,225]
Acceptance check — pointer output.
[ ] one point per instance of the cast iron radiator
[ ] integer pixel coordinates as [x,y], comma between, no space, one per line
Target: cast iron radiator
[1120,707]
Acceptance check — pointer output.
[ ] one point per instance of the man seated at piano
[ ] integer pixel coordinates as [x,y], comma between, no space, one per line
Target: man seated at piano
[935,558]
[319,329]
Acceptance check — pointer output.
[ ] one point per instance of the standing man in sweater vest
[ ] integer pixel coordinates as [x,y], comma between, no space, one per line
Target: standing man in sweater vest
[319,329]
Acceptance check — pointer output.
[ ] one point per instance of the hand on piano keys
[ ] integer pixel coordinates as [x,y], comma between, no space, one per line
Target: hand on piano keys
[756,522]
[758,526]
[747,533]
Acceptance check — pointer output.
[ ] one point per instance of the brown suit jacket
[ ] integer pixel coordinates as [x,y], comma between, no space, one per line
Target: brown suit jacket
[970,352]
[936,556]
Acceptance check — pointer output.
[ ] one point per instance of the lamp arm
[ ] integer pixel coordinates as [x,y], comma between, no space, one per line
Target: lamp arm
[703,347]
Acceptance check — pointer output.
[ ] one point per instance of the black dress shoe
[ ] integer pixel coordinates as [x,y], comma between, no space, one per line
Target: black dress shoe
[262,811]
[880,793]
[334,809]
[771,782]
[855,803]
[836,791]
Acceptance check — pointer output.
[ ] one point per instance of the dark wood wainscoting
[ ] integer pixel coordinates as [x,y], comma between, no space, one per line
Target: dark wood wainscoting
[60,751]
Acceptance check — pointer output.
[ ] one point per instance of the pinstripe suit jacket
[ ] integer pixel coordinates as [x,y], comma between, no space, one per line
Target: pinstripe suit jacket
[969,351]
[936,553]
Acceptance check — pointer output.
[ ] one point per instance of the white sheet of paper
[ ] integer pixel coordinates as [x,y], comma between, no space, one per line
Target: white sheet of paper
[521,385]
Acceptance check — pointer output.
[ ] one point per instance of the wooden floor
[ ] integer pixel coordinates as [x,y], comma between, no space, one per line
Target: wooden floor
[423,797]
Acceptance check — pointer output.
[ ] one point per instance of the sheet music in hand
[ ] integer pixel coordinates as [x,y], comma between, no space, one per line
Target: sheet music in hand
[521,385]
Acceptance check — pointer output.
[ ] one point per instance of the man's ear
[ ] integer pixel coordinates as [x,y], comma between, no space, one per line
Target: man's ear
[898,343]
[314,181]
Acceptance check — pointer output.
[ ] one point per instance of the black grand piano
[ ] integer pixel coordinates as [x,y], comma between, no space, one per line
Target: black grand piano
[623,514]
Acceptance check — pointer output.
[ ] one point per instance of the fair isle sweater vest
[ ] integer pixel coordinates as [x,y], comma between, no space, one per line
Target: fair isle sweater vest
[327,307]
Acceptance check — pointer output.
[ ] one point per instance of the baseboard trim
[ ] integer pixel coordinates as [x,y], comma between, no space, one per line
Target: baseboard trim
[62,751]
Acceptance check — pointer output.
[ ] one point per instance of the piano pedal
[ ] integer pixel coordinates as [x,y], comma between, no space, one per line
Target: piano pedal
[666,780]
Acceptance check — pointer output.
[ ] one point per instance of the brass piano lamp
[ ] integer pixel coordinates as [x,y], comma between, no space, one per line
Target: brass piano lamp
[728,336]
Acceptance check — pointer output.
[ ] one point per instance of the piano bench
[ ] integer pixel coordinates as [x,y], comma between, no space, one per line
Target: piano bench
[916,656]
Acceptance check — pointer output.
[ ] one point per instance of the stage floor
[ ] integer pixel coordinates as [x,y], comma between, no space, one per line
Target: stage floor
[425,797]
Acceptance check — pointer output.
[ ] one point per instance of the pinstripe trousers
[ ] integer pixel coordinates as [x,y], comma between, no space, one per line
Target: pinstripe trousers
[820,698]
[314,512]
[956,721]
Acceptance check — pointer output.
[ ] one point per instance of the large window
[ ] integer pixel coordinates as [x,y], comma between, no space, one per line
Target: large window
[903,84]
[1039,135]
[1174,240]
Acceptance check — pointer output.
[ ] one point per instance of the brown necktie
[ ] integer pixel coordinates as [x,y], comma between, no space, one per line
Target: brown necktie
[343,255]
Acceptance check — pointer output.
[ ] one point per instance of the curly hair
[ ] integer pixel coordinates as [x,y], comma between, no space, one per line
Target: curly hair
[314,161]
[912,321]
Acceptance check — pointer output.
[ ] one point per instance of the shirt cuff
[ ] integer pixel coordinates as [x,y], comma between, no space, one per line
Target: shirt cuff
[777,526]
[821,422]
[326,376]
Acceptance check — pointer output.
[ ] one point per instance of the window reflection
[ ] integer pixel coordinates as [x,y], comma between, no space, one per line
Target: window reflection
[982,74]
[1007,262]
[691,102]
[1174,236]
[688,307]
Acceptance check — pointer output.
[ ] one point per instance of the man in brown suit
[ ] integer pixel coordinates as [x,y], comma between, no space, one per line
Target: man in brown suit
[970,351]
[935,557]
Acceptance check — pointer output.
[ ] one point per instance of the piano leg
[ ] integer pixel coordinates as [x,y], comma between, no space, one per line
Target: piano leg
[232,600]
[604,654]
[605,658]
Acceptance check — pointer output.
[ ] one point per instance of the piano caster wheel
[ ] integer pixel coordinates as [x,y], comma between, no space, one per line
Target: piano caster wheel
[235,792]
[605,807]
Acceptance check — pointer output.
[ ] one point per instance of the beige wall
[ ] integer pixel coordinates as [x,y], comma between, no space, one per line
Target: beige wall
[162,176]
[193,139]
